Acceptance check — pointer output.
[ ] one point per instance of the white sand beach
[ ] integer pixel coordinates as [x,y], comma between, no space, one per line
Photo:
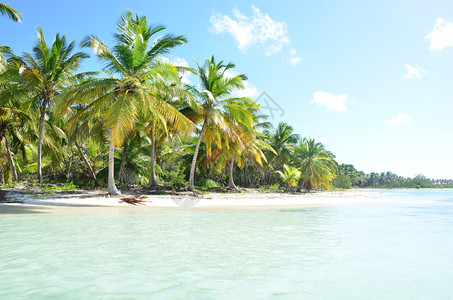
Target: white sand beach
[81,198]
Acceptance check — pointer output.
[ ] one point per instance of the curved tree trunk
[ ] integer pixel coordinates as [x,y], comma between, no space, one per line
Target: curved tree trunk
[87,163]
[122,173]
[41,130]
[152,179]
[11,160]
[231,178]
[111,177]
[194,160]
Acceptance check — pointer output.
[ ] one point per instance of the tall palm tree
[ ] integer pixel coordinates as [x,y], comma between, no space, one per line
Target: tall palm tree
[46,73]
[283,141]
[134,74]
[219,108]
[247,146]
[160,128]
[10,13]
[317,165]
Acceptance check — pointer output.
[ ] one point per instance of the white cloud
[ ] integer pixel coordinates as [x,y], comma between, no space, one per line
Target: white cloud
[331,101]
[249,90]
[180,62]
[322,140]
[414,71]
[184,75]
[293,58]
[247,31]
[441,36]
[398,119]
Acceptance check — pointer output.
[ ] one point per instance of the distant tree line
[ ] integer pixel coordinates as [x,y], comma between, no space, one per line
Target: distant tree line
[350,177]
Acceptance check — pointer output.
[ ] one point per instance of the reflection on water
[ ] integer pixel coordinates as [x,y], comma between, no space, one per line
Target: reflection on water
[370,252]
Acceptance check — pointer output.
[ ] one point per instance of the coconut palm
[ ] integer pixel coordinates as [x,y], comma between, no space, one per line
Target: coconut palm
[317,165]
[219,108]
[160,129]
[45,74]
[283,141]
[4,52]
[290,176]
[134,74]
[13,121]
[249,148]
[10,13]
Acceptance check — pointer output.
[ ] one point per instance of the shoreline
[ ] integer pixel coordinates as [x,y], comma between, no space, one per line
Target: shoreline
[82,199]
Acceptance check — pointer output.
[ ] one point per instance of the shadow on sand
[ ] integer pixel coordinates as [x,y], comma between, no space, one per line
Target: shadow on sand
[22,209]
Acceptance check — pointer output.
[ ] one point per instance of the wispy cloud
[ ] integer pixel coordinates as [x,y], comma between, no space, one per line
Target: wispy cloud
[414,72]
[258,29]
[293,58]
[331,101]
[441,36]
[249,90]
[398,119]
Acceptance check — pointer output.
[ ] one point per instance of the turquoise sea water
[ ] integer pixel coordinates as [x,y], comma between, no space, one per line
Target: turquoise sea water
[398,251]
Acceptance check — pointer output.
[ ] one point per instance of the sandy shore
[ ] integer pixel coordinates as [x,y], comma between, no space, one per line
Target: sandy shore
[80,198]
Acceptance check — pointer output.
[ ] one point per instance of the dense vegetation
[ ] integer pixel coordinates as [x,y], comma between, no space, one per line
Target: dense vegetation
[134,123]
[349,177]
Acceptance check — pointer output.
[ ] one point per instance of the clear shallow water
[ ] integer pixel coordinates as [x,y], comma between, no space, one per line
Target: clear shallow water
[401,251]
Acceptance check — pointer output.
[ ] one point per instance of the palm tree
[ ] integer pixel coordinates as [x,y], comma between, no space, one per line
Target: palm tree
[13,120]
[290,176]
[135,72]
[283,141]
[160,129]
[45,75]
[317,165]
[10,12]
[219,108]
[249,147]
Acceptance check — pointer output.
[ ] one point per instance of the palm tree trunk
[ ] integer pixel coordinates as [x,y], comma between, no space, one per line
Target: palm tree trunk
[41,130]
[111,177]
[87,163]
[231,179]
[152,179]
[122,175]
[11,160]
[194,160]
[300,185]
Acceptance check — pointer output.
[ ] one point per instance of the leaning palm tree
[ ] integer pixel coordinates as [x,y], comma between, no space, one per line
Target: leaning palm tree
[317,165]
[44,75]
[10,13]
[135,73]
[219,108]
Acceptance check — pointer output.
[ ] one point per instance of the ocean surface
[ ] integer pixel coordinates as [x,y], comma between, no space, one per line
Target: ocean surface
[400,250]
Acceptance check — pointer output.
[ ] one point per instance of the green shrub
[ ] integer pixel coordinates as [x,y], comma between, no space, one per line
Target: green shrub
[343,182]
[207,184]
[274,187]
[176,178]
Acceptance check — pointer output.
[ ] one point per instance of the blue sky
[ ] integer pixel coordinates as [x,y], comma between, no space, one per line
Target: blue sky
[371,79]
